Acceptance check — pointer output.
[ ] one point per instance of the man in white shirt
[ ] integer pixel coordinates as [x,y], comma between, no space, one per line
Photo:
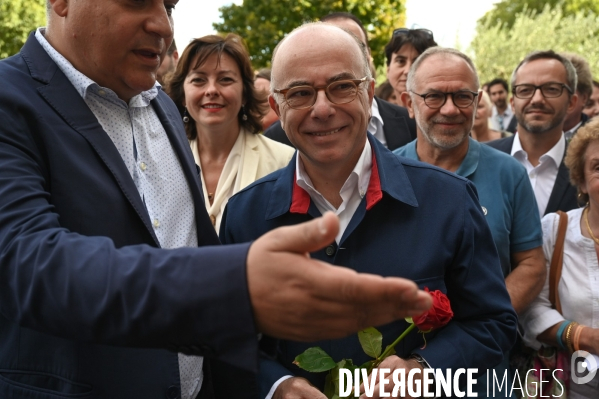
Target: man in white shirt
[502,112]
[543,88]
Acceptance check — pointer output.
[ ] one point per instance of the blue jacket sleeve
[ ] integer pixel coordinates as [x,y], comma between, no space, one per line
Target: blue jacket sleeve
[484,325]
[85,288]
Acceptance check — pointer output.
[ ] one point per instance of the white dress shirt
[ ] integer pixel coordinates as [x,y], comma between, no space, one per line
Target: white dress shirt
[542,177]
[375,126]
[352,192]
[141,140]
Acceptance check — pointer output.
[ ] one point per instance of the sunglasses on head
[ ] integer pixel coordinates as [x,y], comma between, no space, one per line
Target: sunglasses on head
[406,31]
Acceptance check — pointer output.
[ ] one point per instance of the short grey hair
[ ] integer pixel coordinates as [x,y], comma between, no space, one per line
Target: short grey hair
[584,84]
[312,25]
[571,77]
[445,51]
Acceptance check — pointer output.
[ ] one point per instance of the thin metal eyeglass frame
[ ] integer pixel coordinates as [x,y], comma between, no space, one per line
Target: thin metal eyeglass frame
[445,99]
[357,82]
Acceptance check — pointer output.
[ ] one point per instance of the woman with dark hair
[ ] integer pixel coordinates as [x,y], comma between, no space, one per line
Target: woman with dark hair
[213,87]
[401,52]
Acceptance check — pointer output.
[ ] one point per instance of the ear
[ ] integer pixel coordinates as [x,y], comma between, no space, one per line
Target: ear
[573,101]
[407,100]
[274,105]
[371,92]
[60,7]
[175,57]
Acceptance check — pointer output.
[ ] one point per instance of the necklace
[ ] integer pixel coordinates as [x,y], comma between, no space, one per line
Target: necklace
[586,218]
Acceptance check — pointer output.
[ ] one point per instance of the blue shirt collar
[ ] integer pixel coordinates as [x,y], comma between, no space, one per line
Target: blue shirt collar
[470,162]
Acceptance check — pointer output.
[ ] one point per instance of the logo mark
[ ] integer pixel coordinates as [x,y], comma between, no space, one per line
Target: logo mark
[583,367]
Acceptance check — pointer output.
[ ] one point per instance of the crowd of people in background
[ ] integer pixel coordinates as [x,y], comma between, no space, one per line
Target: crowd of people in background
[439,113]
[470,188]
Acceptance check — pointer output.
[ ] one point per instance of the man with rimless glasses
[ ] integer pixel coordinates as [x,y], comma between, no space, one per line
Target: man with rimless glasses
[543,88]
[397,217]
[443,94]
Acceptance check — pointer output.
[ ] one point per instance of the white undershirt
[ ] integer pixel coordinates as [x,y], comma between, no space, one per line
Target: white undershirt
[542,177]
[375,126]
[352,192]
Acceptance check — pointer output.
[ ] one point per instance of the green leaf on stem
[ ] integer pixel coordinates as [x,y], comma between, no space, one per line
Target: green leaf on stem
[389,350]
[372,341]
[314,360]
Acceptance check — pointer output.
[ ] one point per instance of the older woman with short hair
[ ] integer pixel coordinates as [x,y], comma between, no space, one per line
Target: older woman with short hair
[577,326]
[213,87]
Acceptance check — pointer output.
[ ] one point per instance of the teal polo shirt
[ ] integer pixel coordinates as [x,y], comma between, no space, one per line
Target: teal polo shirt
[505,194]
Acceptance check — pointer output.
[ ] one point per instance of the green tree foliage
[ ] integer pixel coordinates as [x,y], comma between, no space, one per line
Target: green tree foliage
[17,19]
[264,23]
[498,49]
[505,11]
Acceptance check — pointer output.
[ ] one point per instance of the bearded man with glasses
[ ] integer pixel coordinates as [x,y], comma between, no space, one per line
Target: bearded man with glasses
[544,93]
[443,94]
[397,217]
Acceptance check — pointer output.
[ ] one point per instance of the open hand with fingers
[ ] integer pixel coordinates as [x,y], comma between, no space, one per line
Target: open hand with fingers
[314,300]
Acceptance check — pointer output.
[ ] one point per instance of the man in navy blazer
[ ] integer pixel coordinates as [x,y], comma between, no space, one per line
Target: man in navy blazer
[539,143]
[92,304]
[398,217]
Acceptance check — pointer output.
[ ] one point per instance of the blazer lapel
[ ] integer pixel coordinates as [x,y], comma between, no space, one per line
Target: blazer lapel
[62,96]
[251,158]
[395,126]
[175,131]
[560,188]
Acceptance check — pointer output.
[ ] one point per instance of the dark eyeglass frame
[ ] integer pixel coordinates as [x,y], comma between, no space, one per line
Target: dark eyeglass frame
[424,96]
[407,31]
[535,88]
[356,82]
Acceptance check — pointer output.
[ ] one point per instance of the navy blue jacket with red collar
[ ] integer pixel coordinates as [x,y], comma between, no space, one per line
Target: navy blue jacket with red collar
[416,221]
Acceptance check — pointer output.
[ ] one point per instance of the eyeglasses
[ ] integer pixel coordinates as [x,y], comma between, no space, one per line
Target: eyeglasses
[406,31]
[338,92]
[548,90]
[460,98]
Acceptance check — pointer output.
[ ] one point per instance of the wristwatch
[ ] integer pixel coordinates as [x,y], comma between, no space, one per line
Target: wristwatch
[420,360]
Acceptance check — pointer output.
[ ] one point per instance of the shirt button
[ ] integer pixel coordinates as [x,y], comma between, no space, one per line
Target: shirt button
[330,250]
[143,166]
[156,223]
[101,92]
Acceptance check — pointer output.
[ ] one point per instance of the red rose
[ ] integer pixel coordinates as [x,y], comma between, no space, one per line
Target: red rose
[437,316]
